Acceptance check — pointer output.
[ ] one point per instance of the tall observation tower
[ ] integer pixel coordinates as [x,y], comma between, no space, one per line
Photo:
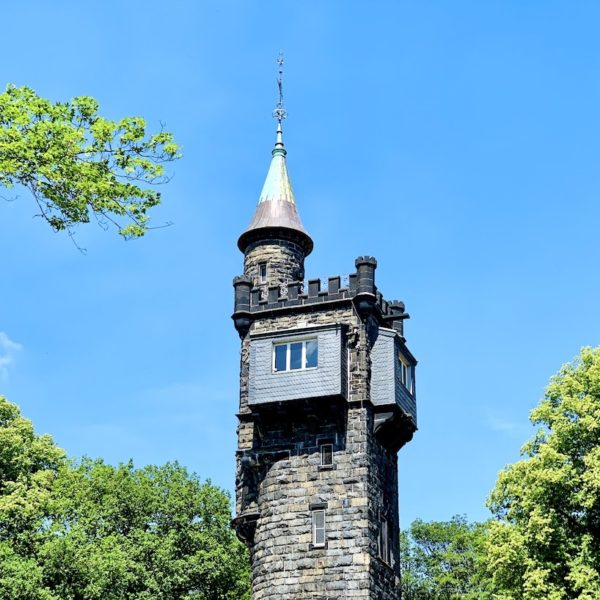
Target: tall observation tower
[327,398]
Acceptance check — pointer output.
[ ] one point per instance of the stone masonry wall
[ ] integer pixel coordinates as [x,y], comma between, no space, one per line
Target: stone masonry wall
[285,565]
[285,262]
[279,477]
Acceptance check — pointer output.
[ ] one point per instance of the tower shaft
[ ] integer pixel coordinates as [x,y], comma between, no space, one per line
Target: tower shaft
[327,398]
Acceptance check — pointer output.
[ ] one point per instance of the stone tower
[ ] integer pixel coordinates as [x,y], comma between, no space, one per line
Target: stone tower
[327,398]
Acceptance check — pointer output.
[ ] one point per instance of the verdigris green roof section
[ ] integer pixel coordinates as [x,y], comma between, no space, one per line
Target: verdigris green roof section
[277,186]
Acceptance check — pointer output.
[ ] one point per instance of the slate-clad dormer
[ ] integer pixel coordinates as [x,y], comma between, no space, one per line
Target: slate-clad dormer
[327,398]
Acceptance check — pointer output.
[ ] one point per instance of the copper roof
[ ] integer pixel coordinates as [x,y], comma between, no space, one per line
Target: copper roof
[276,208]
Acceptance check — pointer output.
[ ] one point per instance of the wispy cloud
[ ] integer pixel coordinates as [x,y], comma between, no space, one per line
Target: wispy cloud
[8,352]
[517,429]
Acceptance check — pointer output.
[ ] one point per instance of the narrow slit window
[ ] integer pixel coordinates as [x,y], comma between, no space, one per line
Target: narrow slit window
[326,455]
[406,373]
[262,272]
[318,527]
[384,542]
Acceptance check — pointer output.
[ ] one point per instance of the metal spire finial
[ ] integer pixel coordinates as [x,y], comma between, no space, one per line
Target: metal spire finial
[280,113]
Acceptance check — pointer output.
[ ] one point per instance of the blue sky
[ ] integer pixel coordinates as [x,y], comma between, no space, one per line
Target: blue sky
[458,142]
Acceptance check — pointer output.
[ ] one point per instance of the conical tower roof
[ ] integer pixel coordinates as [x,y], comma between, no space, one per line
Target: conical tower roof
[276,214]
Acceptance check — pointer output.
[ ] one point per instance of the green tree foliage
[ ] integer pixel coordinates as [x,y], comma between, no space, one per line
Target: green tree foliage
[444,561]
[77,164]
[91,531]
[29,464]
[547,542]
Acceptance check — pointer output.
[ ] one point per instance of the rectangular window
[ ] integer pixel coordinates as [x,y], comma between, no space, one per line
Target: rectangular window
[326,455]
[406,371]
[294,356]
[318,528]
[262,272]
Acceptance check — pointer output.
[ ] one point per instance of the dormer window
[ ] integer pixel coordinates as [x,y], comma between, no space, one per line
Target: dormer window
[406,373]
[295,356]
[262,272]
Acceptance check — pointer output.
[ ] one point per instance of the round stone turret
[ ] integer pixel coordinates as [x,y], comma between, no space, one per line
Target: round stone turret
[275,260]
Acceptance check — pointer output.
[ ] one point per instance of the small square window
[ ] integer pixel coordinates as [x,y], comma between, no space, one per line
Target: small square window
[326,455]
[318,528]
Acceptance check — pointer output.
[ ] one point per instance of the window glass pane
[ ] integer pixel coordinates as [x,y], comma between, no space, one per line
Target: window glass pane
[319,537]
[296,355]
[312,353]
[280,352]
[409,385]
[319,518]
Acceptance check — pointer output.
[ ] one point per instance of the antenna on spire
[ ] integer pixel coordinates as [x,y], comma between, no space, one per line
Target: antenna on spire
[280,113]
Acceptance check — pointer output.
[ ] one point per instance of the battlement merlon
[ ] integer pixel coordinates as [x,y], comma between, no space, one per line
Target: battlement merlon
[251,302]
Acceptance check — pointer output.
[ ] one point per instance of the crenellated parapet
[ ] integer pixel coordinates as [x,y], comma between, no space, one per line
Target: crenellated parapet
[251,301]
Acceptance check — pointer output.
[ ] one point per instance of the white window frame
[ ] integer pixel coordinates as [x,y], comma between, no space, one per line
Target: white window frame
[263,278]
[315,529]
[406,373]
[323,451]
[288,355]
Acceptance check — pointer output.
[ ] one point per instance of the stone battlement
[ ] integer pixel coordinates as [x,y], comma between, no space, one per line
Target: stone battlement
[250,300]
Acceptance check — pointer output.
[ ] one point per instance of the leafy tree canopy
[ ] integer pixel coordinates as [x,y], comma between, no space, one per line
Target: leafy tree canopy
[87,530]
[547,542]
[77,164]
[444,561]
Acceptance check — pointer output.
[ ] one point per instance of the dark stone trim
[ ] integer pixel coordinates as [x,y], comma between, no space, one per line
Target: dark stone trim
[245,526]
[261,234]
[311,546]
[393,427]
[350,480]
[319,403]
[297,331]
